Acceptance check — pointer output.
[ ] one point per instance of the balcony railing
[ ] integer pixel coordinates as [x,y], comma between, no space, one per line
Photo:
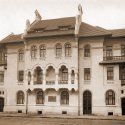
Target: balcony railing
[50,82]
[37,82]
[114,58]
[63,82]
[122,82]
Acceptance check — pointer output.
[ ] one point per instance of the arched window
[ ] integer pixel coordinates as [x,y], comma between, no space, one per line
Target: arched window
[64,97]
[40,98]
[87,51]
[110,97]
[20,97]
[42,51]
[33,51]
[21,55]
[58,50]
[67,49]
[38,75]
[63,75]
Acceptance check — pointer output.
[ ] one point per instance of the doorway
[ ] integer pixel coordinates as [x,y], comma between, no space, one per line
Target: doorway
[123,106]
[1,104]
[87,102]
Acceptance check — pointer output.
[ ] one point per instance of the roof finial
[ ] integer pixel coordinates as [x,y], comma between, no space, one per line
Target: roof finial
[38,16]
[80,9]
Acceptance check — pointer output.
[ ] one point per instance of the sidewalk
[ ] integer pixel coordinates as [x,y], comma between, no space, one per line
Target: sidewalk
[22,115]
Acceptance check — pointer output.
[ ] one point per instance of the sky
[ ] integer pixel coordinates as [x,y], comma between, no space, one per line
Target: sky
[109,14]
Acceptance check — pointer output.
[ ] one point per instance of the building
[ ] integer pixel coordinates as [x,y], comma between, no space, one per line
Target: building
[63,66]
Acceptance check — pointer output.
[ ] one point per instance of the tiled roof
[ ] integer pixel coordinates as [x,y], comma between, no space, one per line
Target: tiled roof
[53,24]
[87,30]
[118,32]
[12,38]
[62,26]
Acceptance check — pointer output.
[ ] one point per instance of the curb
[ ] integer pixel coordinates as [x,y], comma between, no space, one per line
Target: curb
[64,117]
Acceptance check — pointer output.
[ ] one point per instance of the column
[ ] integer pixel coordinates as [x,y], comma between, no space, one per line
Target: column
[32,78]
[57,77]
[44,77]
[69,77]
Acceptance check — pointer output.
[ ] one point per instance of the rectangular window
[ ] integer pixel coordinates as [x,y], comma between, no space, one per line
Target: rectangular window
[122,50]
[51,98]
[108,52]
[122,72]
[20,76]
[110,73]
[1,76]
[87,74]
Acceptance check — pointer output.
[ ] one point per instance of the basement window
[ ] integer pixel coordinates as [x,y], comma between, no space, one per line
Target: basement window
[64,112]
[110,113]
[39,112]
[19,111]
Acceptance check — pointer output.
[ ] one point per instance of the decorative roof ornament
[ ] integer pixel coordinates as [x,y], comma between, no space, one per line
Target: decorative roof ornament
[27,24]
[38,16]
[80,9]
[78,20]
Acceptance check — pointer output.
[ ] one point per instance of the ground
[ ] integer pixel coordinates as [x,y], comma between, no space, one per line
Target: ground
[56,121]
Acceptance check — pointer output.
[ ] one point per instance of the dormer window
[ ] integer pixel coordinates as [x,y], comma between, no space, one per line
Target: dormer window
[39,30]
[64,28]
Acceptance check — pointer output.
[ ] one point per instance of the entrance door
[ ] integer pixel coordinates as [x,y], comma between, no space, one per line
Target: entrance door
[123,106]
[87,102]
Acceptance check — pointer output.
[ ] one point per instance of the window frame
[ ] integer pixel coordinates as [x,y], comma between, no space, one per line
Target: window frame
[58,50]
[87,73]
[20,75]
[110,73]
[33,52]
[87,51]
[67,50]
[110,97]
[42,51]
[1,76]
[108,52]
[122,50]
[21,55]
[40,97]
[64,98]
[64,74]
[20,97]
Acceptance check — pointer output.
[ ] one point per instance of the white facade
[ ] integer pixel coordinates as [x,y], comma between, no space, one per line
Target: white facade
[51,80]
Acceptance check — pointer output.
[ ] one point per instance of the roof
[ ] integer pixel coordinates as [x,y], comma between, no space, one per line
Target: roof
[12,38]
[62,26]
[53,24]
[52,27]
[118,32]
[87,30]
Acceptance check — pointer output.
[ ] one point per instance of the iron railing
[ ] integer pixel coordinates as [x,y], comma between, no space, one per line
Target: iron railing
[114,58]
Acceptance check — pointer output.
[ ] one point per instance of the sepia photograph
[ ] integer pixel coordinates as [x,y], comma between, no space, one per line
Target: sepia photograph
[62,62]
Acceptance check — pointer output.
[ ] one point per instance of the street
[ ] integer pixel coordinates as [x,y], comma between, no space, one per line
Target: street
[56,121]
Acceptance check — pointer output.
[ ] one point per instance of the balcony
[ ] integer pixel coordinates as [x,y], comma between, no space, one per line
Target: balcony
[122,82]
[113,60]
